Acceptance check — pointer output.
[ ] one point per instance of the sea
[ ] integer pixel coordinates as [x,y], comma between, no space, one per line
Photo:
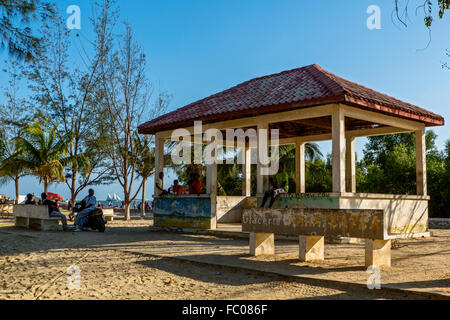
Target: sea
[118,204]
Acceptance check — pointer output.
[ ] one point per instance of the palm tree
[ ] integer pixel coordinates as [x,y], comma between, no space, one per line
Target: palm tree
[43,153]
[145,164]
[9,170]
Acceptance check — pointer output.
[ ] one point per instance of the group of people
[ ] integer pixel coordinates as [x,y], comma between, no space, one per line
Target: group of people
[278,184]
[88,205]
[194,185]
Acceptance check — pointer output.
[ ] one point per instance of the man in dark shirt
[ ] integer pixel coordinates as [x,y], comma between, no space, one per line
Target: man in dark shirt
[30,199]
[54,211]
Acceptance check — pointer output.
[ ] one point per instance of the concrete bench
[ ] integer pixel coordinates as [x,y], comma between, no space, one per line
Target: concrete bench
[35,217]
[108,214]
[312,225]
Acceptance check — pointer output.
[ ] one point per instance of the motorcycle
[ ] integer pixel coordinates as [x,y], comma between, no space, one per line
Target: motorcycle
[93,221]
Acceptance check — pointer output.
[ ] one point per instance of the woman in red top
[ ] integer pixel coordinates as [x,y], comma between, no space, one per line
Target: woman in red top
[195,185]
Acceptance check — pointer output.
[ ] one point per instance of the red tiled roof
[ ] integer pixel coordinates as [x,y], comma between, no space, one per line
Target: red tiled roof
[304,87]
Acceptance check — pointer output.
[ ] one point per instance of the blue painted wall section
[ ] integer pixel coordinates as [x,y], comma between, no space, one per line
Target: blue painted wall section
[183,212]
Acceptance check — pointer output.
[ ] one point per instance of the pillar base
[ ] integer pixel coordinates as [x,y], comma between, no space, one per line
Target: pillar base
[262,244]
[312,248]
[378,253]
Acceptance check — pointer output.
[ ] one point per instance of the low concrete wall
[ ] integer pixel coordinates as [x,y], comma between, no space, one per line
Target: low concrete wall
[405,215]
[230,208]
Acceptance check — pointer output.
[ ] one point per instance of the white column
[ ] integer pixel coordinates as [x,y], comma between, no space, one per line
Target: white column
[246,171]
[259,176]
[300,166]
[421,163]
[211,189]
[159,160]
[350,165]
[338,136]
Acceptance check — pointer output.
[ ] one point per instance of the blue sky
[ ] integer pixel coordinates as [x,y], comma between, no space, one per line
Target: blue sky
[197,48]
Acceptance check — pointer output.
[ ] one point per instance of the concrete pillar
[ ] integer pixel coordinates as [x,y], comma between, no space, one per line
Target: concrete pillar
[338,150]
[262,244]
[259,176]
[421,163]
[159,160]
[211,189]
[350,165]
[312,248]
[378,253]
[246,171]
[300,167]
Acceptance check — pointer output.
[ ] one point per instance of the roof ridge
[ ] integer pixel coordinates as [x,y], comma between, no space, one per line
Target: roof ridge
[322,75]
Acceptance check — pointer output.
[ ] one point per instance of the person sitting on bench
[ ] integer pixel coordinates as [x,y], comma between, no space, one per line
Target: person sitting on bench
[54,211]
[279,184]
[159,184]
[30,199]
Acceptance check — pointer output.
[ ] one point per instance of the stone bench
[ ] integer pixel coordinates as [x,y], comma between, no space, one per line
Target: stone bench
[108,214]
[35,217]
[312,225]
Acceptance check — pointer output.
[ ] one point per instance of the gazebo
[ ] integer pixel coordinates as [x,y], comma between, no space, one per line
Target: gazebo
[307,104]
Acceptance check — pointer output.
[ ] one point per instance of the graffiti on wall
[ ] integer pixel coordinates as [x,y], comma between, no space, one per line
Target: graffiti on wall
[326,222]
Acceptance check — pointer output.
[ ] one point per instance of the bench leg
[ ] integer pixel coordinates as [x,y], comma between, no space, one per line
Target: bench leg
[22,222]
[262,244]
[50,225]
[312,248]
[378,253]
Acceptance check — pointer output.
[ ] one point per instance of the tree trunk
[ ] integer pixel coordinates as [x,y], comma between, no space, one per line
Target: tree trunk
[73,194]
[16,182]
[126,208]
[45,185]
[143,197]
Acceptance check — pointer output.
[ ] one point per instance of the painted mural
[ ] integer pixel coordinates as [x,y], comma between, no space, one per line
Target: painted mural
[183,212]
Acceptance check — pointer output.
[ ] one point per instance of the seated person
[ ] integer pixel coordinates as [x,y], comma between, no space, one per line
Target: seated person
[159,184]
[54,211]
[177,189]
[88,206]
[195,185]
[30,199]
[279,184]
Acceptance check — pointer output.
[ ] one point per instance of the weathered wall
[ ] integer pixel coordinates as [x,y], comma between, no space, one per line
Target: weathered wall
[357,223]
[183,212]
[403,214]
[229,209]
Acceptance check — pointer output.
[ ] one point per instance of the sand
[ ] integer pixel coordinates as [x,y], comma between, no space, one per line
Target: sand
[125,263]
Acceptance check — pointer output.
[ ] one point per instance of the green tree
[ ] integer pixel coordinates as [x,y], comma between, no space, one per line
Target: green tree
[389,166]
[145,165]
[16,34]
[66,95]
[42,152]
[14,115]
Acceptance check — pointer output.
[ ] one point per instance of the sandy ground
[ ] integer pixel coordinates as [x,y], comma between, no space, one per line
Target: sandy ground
[131,262]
